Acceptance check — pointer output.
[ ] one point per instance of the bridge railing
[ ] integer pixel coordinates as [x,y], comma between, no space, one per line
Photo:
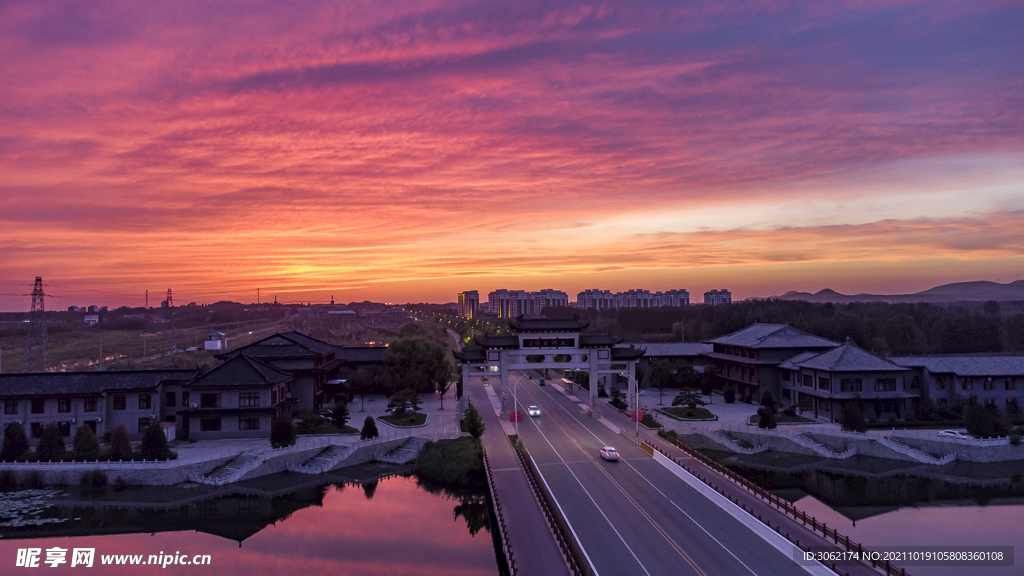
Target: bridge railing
[505,545]
[783,505]
[567,544]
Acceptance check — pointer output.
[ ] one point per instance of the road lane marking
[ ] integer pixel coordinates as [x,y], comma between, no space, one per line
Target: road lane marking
[698,524]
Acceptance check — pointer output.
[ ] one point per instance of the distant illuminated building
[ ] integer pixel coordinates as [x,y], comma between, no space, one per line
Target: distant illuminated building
[512,303]
[469,304]
[595,299]
[714,297]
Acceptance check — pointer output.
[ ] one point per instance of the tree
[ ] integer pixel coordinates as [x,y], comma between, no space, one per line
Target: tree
[120,445]
[366,380]
[85,446]
[662,377]
[618,399]
[339,416]
[982,424]
[154,443]
[729,394]
[766,413]
[417,363]
[852,418]
[282,433]
[15,443]
[413,330]
[473,422]
[691,398]
[403,400]
[369,429]
[51,445]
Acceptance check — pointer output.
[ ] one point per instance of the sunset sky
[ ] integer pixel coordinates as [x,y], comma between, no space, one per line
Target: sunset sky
[406,151]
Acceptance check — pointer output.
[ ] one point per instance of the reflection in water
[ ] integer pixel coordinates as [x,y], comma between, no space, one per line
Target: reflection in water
[322,524]
[880,502]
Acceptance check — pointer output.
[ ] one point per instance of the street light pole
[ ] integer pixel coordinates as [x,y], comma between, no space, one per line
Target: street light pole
[515,405]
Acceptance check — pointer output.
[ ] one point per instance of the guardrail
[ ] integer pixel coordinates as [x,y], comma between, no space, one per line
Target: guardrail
[505,546]
[568,546]
[783,505]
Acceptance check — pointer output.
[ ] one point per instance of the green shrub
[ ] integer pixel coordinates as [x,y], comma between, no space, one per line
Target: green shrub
[729,395]
[120,445]
[51,445]
[282,433]
[474,422]
[15,443]
[85,446]
[154,444]
[458,461]
[369,429]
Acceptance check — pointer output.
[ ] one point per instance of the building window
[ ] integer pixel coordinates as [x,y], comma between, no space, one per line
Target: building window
[967,384]
[210,401]
[885,384]
[144,423]
[1010,384]
[120,402]
[170,399]
[990,403]
[248,400]
[785,375]
[209,424]
[65,428]
[808,381]
[248,422]
[273,396]
[184,400]
[940,383]
[37,429]
[824,383]
[915,383]
[90,404]
[10,406]
[38,405]
[145,402]
[988,384]
[850,385]
[63,404]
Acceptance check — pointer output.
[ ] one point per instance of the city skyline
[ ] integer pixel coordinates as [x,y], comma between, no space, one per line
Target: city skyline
[403,153]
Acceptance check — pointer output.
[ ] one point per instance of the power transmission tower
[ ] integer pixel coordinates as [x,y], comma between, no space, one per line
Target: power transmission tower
[37,330]
[174,332]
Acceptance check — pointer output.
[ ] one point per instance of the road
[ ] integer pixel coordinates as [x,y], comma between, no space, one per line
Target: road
[634,516]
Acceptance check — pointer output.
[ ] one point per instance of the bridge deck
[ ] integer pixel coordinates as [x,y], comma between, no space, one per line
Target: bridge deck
[533,546]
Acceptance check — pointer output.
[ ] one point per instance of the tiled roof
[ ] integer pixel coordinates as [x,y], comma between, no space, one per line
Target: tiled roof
[965,365]
[629,353]
[470,355]
[670,349]
[848,358]
[773,336]
[791,364]
[357,354]
[284,345]
[77,383]
[488,341]
[598,340]
[524,324]
[240,370]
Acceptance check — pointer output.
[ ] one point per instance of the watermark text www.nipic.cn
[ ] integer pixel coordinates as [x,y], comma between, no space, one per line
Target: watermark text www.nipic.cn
[58,557]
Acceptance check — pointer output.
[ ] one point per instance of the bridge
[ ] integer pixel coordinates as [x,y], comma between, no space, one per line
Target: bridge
[644,514]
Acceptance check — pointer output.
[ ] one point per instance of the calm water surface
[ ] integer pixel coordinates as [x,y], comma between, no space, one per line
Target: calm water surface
[886,503]
[390,527]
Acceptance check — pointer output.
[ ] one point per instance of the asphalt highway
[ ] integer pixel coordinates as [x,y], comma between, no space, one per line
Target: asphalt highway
[634,516]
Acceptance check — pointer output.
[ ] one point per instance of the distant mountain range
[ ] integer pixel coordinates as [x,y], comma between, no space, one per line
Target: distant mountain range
[956,292]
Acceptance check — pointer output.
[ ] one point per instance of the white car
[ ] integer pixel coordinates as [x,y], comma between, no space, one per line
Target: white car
[534,411]
[609,453]
[953,434]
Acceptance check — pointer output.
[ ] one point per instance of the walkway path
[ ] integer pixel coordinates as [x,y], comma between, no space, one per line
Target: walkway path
[532,544]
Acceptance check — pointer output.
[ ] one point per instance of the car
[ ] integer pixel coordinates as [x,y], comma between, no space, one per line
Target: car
[534,411]
[609,453]
[953,434]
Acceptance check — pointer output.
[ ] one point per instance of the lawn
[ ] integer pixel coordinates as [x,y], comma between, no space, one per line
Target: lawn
[409,419]
[684,413]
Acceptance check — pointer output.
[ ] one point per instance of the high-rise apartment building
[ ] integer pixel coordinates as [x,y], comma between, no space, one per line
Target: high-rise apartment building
[469,303]
[639,298]
[511,303]
[714,297]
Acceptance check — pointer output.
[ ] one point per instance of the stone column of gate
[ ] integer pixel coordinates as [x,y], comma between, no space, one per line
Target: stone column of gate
[594,384]
[505,394]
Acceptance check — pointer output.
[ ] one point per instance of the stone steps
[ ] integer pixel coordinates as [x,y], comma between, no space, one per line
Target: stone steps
[898,445]
[230,471]
[727,440]
[804,439]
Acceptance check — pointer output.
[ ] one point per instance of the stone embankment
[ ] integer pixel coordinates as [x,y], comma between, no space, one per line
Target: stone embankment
[921,446]
[222,465]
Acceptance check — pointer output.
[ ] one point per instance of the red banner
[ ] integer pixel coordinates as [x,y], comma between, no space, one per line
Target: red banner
[636,416]
[515,416]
